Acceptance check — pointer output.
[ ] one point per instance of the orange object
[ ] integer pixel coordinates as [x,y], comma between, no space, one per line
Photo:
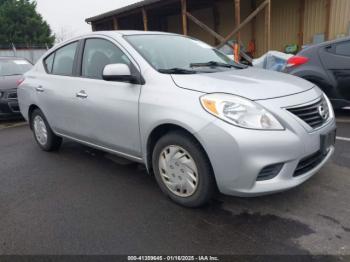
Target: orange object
[211,106]
[236,52]
[251,48]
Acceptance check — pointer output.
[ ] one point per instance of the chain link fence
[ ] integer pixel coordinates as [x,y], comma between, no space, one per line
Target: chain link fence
[30,52]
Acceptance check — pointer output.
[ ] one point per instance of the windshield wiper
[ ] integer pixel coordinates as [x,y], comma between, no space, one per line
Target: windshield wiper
[176,70]
[211,64]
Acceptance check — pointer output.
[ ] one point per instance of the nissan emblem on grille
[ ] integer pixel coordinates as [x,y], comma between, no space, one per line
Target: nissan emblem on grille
[323,113]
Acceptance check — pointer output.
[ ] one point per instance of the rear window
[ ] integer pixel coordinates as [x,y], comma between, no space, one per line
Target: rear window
[343,49]
[61,62]
[14,67]
[49,63]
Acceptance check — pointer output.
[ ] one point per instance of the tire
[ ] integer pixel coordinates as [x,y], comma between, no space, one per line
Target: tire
[50,142]
[175,169]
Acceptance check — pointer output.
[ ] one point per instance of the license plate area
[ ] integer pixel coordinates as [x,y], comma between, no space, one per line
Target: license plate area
[327,141]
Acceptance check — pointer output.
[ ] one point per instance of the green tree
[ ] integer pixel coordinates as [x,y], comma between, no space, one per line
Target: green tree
[21,24]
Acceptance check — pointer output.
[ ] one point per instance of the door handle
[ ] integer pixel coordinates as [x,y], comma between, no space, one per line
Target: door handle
[82,94]
[39,89]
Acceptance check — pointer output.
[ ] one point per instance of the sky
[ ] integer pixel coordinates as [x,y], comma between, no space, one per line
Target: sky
[67,17]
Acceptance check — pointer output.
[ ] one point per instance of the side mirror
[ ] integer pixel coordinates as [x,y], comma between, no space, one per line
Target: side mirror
[118,73]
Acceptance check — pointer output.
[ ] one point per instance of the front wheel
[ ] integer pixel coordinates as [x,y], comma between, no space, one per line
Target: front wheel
[182,170]
[43,133]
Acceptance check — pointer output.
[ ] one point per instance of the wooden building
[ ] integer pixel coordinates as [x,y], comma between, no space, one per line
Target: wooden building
[263,24]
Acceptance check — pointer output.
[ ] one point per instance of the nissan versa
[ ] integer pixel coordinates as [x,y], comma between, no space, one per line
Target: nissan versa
[197,120]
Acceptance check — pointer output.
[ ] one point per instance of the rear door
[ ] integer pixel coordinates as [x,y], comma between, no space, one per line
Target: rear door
[57,90]
[336,59]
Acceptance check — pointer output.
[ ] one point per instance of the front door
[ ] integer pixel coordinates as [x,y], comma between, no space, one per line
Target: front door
[109,109]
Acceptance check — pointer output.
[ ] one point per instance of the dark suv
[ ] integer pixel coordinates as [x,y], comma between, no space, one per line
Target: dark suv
[11,75]
[328,66]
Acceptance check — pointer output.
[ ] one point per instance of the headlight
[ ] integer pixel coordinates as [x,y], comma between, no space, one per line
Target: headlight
[240,112]
[330,107]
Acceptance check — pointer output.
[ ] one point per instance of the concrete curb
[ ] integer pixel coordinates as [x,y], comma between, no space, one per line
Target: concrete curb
[2,127]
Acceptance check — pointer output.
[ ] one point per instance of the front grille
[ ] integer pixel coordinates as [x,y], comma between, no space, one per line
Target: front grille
[14,107]
[269,172]
[12,95]
[309,163]
[315,114]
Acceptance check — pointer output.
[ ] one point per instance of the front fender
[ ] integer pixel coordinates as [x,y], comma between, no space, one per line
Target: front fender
[160,107]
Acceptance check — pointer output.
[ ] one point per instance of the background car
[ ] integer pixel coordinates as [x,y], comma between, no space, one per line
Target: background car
[328,66]
[11,75]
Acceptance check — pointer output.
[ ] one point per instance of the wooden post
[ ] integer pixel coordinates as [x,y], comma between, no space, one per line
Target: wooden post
[268,26]
[216,17]
[93,27]
[328,19]
[254,28]
[184,16]
[115,23]
[237,23]
[301,23]
[238,17]
[145,19]
[245,22]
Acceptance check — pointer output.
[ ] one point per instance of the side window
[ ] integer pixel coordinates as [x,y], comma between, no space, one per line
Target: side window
[343,48]
[64,60]
[48,62]
[97,54]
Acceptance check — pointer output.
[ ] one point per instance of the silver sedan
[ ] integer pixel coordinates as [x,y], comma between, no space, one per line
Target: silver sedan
[196,119]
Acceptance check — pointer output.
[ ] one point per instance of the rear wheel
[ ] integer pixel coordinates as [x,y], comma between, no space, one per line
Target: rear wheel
[182,170]
[43,133]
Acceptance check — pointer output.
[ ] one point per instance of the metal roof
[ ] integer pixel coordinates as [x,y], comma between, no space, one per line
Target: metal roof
[122,10]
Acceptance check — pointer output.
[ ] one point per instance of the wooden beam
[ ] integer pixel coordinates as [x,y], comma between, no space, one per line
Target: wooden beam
[253,6]
[204,27]
[244,23]
[238,17]
[328,19]
[115,23]
[213,33]
[268,26]
[237,23]
[216,18]
[184,16]
[301,22]
[145,19]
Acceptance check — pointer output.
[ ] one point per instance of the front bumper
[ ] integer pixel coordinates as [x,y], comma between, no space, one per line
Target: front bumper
[239,155]
[9,108]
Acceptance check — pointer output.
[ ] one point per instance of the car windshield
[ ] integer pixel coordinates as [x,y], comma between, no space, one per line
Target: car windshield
[175,54]
[9,67]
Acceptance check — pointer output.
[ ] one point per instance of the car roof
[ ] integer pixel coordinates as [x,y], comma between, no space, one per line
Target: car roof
[131,32]
[112,34]
[339,40]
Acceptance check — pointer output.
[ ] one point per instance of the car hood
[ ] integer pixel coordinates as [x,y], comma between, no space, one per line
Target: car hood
[251,83]
[9,82]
